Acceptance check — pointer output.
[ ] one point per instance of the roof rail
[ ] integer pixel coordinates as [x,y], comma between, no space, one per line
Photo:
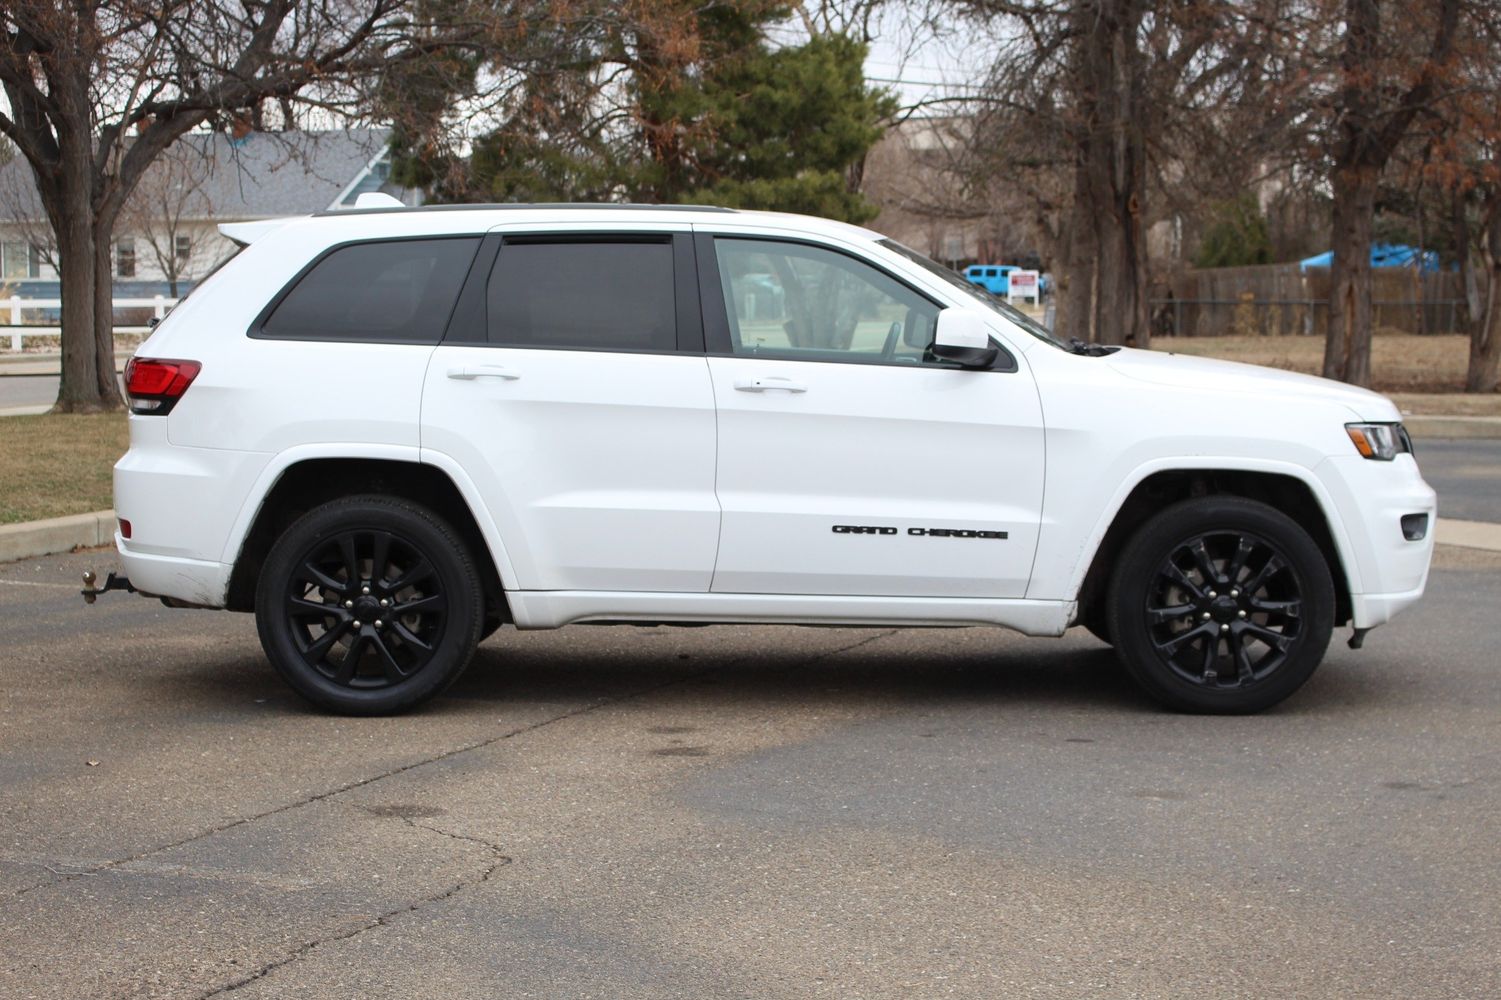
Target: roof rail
[524,206]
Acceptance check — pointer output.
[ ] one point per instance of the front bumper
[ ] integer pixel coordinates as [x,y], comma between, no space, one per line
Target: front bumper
[1386,572]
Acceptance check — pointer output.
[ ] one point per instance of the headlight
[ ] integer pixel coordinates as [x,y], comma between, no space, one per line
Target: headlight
[1382,442]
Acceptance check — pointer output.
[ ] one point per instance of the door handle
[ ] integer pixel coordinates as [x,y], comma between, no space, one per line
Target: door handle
[769,382]
[469,372]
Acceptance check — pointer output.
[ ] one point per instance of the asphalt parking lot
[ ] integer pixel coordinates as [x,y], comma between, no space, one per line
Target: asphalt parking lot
[741,812]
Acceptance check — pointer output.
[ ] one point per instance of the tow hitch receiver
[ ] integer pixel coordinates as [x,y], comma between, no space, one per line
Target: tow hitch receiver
[111,582]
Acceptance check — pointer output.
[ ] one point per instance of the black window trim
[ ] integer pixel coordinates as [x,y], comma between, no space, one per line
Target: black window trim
[685,287]
[257,326]
[717,320]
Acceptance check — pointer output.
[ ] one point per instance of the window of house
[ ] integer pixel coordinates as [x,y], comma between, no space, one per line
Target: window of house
[18,259]
[183,249]
[125,258]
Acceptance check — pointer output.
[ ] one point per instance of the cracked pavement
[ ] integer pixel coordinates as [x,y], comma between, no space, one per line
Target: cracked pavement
[740,812]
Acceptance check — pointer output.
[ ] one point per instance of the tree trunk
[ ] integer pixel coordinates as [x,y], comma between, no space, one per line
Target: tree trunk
[1075,310]
[79,388]
[1110,179]
[1484,371]
[106,382]
[1347,349]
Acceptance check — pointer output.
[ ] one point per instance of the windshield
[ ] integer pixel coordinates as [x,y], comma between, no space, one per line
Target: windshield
[992,302]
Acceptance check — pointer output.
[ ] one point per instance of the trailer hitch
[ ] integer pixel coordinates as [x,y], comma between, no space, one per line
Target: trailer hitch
[111,582]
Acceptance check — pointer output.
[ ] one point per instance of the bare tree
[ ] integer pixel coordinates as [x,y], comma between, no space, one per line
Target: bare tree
[164,208]
[1389,70]
[1094,105]
[97,92]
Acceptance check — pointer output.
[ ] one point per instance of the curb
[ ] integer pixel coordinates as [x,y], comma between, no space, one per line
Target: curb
[30,539]
[1471,428]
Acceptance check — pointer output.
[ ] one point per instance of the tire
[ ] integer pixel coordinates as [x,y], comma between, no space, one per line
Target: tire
[320,594]
[1221,605]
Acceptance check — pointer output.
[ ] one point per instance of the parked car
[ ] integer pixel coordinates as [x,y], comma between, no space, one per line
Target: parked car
[388,433]
[991,277]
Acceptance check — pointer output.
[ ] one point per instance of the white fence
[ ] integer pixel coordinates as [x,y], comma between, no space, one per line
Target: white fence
[16,331]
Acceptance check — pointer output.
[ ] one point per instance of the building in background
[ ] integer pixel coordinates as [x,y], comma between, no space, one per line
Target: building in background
[167,237]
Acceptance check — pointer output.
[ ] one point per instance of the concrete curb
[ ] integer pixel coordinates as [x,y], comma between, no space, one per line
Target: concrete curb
[1452,427]
[30,539]
[1469,534]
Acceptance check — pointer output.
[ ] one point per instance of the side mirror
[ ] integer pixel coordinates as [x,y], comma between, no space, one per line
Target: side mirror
[963,338]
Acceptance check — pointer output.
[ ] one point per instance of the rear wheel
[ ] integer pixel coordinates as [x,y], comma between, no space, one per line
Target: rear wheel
[369,605]
[1220,604]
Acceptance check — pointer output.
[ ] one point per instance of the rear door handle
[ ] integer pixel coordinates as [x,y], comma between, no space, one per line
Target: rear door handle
[469,372]
[769,382]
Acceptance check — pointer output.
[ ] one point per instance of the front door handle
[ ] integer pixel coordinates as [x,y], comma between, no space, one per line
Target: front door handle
[769,382]
[468,372]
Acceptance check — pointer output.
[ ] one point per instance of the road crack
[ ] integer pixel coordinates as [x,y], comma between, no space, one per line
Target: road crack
[498,860]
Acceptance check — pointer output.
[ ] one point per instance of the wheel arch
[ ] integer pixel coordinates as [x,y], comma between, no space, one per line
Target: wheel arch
[301,483]
[1299,496]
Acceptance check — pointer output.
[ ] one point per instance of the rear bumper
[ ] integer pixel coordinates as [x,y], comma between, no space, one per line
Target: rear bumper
[192,581]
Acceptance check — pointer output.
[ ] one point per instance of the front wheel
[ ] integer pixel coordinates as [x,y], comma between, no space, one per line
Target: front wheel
[369,605]
[1221,605]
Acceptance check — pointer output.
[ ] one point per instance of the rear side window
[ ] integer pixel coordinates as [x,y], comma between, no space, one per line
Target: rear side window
[612,295]
[393,291]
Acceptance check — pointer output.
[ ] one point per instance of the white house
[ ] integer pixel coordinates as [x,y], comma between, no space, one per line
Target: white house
[168,234]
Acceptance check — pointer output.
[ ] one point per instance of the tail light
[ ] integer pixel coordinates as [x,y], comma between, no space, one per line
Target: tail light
[154,385]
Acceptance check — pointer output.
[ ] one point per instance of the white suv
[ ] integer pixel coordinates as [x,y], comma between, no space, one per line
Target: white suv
[389,432]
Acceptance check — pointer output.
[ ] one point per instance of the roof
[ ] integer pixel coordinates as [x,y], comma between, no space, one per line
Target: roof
[261,175]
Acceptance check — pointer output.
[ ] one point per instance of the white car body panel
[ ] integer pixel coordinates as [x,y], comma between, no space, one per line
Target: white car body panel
[647,487]
[857,446]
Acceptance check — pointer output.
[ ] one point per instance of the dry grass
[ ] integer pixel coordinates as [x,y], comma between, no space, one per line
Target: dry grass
[57,464]
[1399,362]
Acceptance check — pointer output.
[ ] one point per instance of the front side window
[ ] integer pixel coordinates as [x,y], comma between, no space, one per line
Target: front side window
[597,294]
[803,302]
[394,291]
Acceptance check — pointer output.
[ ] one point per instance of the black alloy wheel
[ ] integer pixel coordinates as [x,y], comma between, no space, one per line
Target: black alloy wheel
[1220,604]
[369,605]
[1224,609]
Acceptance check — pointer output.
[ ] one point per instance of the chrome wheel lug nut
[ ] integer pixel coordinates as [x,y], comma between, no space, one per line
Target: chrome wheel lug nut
[385,603]
[1242,614]
[1234,593]
[364,590]
[348,604]
[355,623]
[1213,595]
[379,623]
[1224,628]
[1205,616]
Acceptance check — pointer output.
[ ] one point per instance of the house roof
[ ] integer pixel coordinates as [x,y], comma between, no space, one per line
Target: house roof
[261,175]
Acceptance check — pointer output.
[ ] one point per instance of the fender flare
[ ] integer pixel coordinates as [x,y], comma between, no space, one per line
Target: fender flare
[1337,532]
[274,469]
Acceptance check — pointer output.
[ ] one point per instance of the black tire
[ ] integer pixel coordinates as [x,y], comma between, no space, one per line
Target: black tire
[319,599]
[1221,605]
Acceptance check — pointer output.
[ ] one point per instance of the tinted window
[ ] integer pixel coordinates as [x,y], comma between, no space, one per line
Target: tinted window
[604,295]
[398,290]
[794,301]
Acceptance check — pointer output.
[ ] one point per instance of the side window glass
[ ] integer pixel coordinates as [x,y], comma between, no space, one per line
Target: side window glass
[395,291]
[599,295]
[795,301]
